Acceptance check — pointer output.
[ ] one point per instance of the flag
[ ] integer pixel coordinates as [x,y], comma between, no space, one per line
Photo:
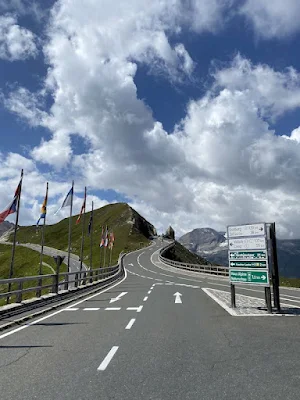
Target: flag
[102,237]
[67,201]
[111,240]
[90,224]
[106,237]
[82,209]
[43,209]
[12,207]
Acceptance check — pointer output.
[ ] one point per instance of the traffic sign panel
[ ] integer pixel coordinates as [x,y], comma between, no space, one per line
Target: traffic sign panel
[248,255]
[246,230]
[252,243]
[250,276]
[249,264]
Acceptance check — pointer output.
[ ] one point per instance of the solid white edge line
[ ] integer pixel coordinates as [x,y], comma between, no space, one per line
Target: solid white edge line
[130,323]
[20,328]
[220,302]
[145,298]
[234,314]
[108,358]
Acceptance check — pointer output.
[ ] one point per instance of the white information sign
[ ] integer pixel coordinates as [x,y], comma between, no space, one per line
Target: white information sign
[252,243]
[246,230]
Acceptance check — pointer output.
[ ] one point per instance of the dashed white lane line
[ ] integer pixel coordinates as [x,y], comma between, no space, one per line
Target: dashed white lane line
[145,298]
[130,323]
[71,309]
[137,309]
[149,292]
[108,358]
[91,309]
[113,308]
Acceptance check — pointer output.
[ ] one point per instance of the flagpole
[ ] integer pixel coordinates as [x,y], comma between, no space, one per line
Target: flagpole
[43,236]
[11,270]
[91,237]
[70,227]
[83,232]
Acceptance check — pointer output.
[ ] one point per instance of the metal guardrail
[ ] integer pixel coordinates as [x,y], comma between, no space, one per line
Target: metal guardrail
[56,283]
[207,269]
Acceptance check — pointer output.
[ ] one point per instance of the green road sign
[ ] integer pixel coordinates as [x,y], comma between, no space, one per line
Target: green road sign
[248,264]
[248,255]
[251,276]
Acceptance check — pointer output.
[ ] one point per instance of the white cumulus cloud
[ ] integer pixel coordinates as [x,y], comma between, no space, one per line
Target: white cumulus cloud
[16,43]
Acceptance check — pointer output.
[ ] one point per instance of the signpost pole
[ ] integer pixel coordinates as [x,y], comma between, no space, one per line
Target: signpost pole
[275,270]
[268,299]
[232,289]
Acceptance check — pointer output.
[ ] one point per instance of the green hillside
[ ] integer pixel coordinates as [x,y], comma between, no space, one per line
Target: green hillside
[130,229]
[181,254]
[26,263]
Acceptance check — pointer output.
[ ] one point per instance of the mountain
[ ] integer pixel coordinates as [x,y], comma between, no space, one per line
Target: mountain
[212,245]
[5,226]
[131,232]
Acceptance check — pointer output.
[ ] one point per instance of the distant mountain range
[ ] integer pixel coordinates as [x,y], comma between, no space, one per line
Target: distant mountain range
[212,245]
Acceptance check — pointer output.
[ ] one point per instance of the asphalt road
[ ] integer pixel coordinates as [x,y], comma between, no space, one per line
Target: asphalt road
[144,345]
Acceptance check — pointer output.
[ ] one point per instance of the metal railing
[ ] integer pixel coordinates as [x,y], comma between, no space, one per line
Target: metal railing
[206,269]
[57,283]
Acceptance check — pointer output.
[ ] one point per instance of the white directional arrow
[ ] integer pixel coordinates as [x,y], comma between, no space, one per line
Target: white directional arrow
[177,297]
[118,297]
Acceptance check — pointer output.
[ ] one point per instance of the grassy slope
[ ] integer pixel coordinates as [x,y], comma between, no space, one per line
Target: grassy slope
[181,254]
[290,282]
[116,216]
[26,263]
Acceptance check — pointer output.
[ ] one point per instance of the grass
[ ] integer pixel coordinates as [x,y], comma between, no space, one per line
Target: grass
[117,216]
[130,231]
[290,282]
[26,263]
[181,254]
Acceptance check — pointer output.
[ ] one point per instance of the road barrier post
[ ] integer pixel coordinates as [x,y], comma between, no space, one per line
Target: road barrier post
[58,260]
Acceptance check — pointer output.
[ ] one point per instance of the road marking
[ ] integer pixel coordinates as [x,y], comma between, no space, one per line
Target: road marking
[131,264]
[132,308]
[284,298]
[71,309]
[234,313]
[145,298]
[178,297]
[139,309]
[149,292]
[130,323]
[113,308]
[167,275]
[294,297]
[118,297]
[91,309]
[108,358]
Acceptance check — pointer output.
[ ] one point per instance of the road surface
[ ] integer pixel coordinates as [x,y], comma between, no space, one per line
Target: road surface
[154,335]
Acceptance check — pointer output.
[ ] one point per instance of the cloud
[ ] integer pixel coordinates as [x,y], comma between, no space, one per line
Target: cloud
[16,43]
[274,19]
[223,163]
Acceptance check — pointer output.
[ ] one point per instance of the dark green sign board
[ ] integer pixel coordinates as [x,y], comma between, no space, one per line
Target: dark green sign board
[251,276]
[249,264]
[248,255]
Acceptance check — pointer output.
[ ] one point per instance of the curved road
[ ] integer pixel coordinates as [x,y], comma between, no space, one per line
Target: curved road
[154,335]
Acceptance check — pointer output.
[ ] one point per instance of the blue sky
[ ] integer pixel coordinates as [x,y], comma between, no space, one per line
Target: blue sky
[148,110]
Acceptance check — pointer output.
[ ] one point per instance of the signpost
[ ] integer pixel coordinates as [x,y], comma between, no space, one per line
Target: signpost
[248,258]
[249,276]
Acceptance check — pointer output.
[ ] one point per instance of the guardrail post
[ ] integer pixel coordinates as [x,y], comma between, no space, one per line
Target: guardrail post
[19,295]
[39,291]
[91,276]
[66,285]
[54,285]
[232,289]
[76,280]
